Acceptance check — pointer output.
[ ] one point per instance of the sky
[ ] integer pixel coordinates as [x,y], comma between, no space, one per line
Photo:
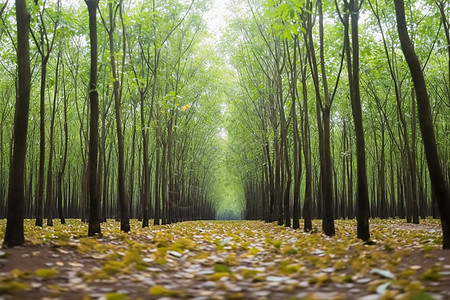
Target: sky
[216,18]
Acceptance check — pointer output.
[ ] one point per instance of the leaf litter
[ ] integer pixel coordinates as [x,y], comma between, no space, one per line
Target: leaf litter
[226,260]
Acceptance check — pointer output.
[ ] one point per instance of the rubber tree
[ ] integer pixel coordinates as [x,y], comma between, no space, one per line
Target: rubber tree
[438,183]
[45,46]
[351,9]
[14,234]
[94,204]
[117,89]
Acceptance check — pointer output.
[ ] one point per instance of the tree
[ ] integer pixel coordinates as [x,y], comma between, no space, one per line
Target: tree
[352,8]
[63,161]
[94,211]
[14,234]
[118,88]
[49,194]
[438,182]
[323,111]
[45,47]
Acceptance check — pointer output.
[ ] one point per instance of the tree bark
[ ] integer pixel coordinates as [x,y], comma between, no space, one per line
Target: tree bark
[362,191]
[362,201]
[14,234]
[124,214]
[49,195]
[94,205]
[438,183]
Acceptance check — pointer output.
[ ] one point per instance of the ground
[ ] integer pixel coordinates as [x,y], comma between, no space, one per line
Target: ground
[227,260]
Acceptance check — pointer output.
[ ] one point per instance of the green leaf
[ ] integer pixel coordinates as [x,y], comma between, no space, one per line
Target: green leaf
[220,268]
[422,296]
[116,296]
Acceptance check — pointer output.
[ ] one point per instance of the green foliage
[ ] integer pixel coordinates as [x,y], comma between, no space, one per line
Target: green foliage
[286,16]
[116,296]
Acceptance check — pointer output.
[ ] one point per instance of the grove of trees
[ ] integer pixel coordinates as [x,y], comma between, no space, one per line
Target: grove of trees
[326,107]
[125,116]
[304,109]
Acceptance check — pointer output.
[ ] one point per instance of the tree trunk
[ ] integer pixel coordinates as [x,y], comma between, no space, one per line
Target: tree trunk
[94,205]
[14,234]
[296,142]
[132,172]
[40,197]
[353,70]
[64,159]
[157,177]
[426,124]
[124,214]
[49,195]
[307,204]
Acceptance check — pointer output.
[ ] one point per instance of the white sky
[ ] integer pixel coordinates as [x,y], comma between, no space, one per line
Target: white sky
[216,18]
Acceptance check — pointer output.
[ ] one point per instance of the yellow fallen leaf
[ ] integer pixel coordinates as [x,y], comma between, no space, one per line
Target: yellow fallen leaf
[389,295]
[12,286]
[159,290]
[254,251]
[116,296]
[46,273]
[415,287]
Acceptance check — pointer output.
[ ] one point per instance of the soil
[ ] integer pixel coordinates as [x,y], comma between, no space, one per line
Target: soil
[73,266]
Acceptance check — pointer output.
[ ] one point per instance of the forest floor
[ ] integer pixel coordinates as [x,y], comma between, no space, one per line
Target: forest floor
[226,260]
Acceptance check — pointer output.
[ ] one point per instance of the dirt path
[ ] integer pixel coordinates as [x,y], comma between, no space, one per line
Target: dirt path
[227,260]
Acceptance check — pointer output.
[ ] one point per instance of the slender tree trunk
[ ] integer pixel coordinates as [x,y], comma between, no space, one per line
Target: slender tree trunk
[94,211]
[438,183]
[124,213]
[328,201]
[307,204]
[277,184]
[145,168]
[323,122]
[170,175]
[14,234]
[164,184]
[45,47]
[362,189]
[64,158]
[132,172]
[350,201]
[382,177]
[157,186]
[413,160]
[40,197]
[50,194]
[296,142]
[345,156]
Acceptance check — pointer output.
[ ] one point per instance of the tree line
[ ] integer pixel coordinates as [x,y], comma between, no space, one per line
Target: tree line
[123,126]
[331,98]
